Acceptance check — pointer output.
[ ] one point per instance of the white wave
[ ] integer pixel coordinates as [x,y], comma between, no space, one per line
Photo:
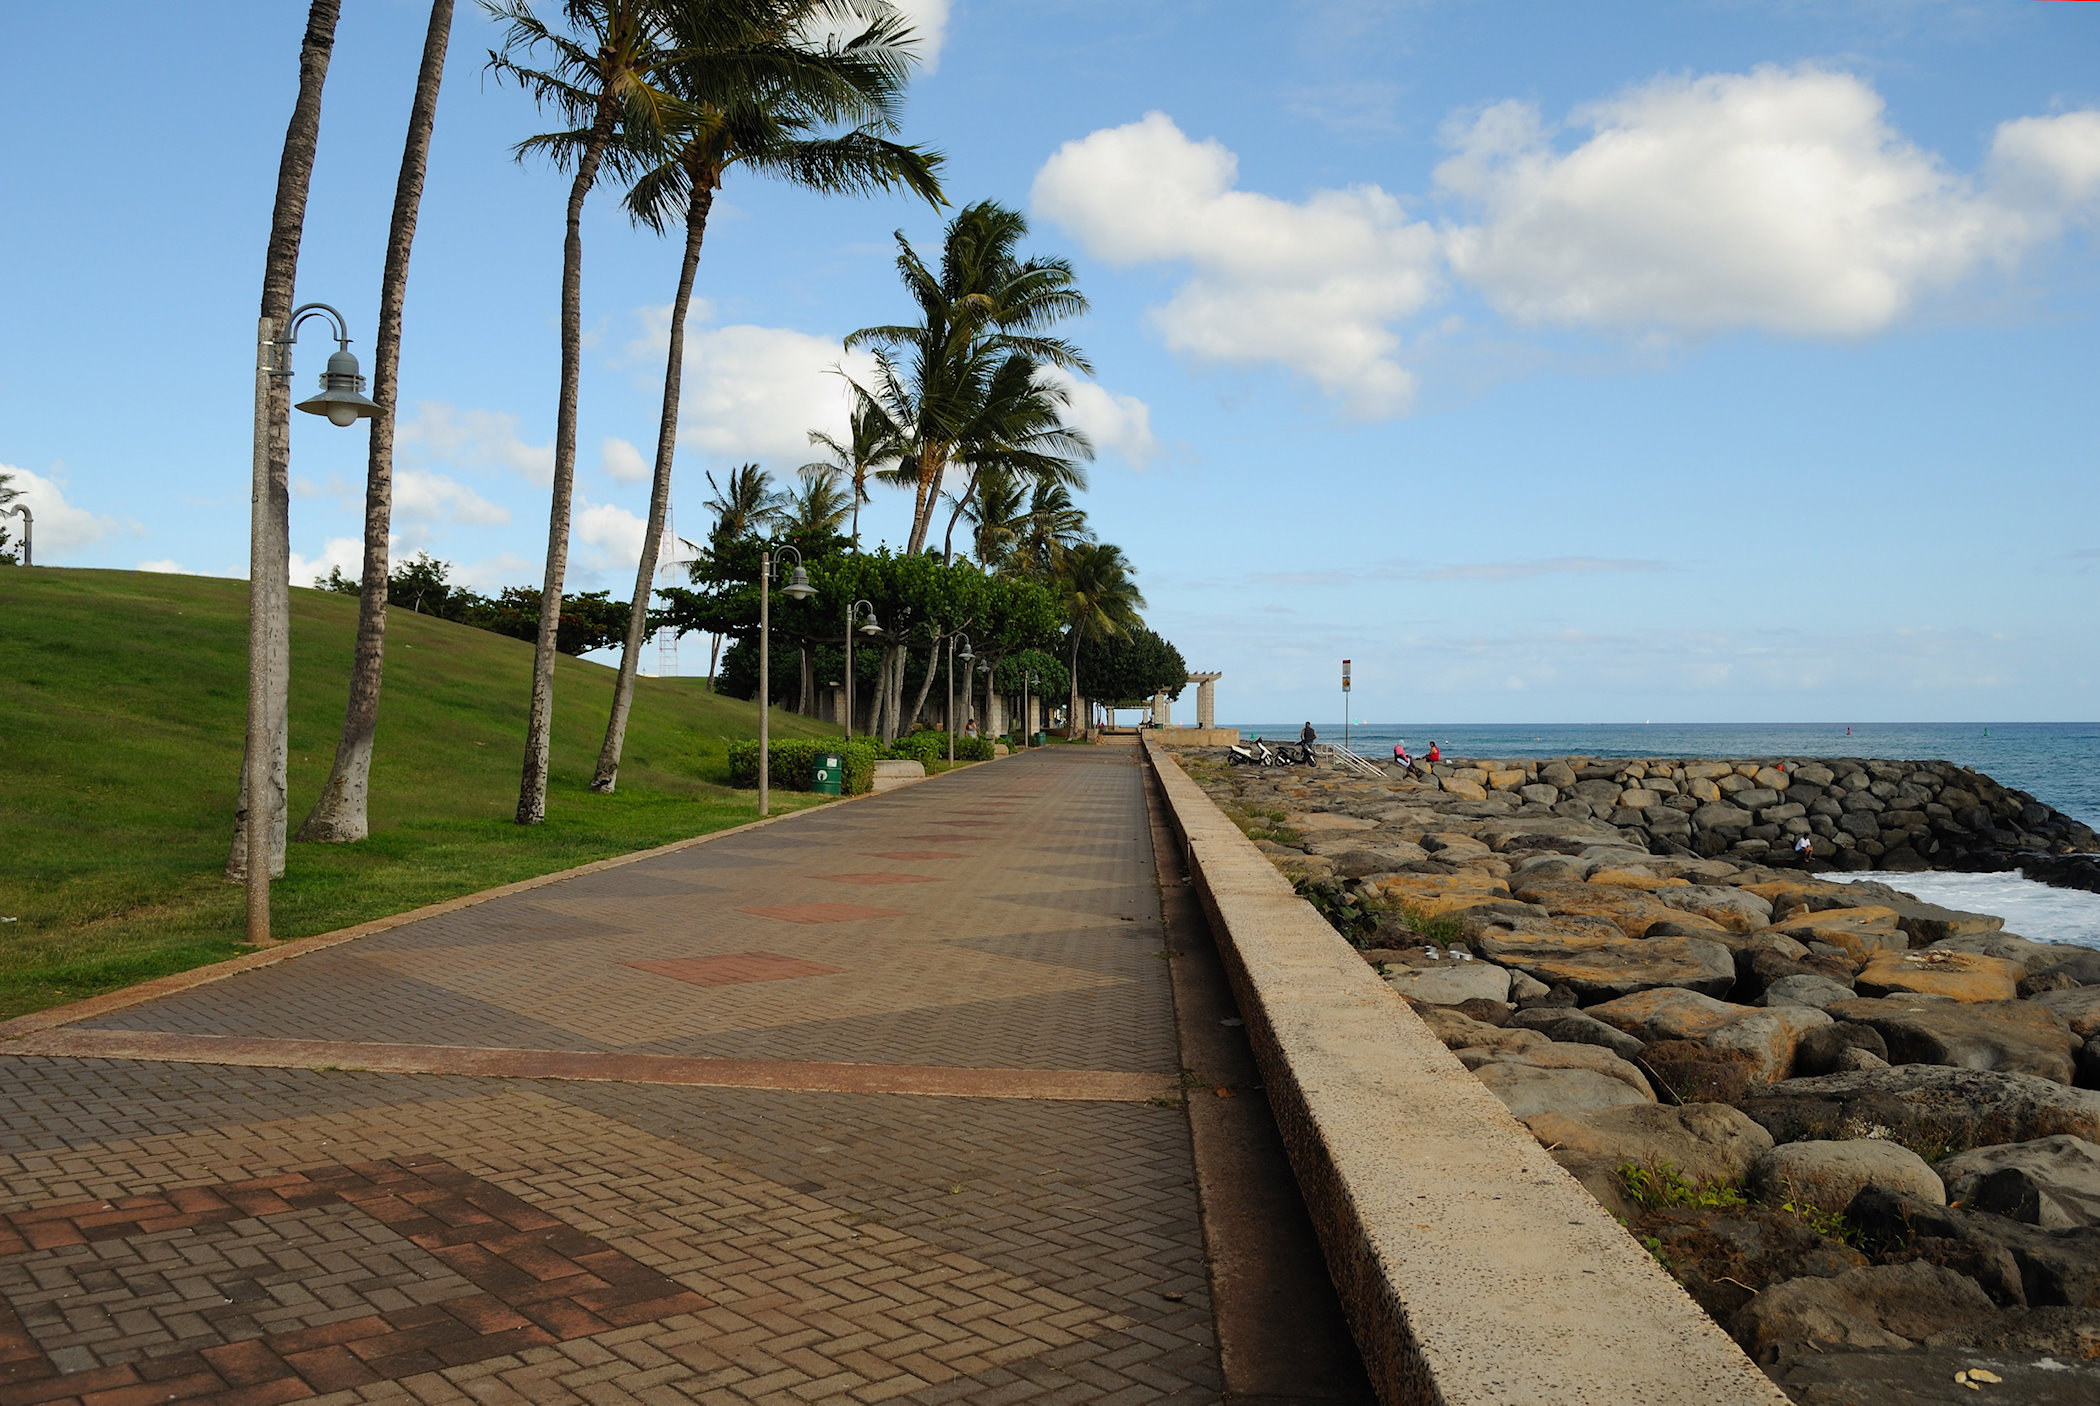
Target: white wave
[2030,909]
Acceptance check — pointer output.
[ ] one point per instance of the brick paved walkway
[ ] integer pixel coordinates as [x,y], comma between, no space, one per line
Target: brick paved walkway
[874,1104]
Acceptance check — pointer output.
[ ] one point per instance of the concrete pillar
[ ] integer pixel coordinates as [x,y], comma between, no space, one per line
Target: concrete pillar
[1162,709]
[1206,698]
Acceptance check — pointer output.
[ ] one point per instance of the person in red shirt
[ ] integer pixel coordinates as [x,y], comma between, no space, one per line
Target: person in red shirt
[1435,753]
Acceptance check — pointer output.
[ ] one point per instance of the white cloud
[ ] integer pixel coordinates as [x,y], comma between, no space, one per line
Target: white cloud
[344,553]
[167,566]
[611,536]
[2048,167]
[623,463]
[1314,285]
[754,392]
[1780,199]
[475,438]
[57,526]
[929,23]
[1120,423]
[433,498]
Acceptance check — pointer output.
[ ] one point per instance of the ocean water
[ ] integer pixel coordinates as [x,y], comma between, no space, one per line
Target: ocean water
[2034,911]
[2056,763]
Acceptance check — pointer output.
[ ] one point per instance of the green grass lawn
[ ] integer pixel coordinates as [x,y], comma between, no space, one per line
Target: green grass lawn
[122,703]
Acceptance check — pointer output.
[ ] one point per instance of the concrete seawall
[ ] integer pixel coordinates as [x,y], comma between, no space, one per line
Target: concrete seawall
[1472,1268]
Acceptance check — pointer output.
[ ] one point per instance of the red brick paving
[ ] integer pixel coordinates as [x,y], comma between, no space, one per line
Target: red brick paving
[953,1170]
[884,877]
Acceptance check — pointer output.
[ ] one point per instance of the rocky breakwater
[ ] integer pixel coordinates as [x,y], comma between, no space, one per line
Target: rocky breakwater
[1862,1130]
[1861,814]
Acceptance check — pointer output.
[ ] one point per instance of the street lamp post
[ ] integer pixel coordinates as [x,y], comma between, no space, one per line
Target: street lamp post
[343,400]
[797,588]
[28,531]
[967,658]
[868,628]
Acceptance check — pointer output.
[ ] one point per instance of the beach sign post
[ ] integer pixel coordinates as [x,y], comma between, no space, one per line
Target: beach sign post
[1345,705]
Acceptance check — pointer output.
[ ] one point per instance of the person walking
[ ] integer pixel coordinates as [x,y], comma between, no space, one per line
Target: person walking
[1308,736]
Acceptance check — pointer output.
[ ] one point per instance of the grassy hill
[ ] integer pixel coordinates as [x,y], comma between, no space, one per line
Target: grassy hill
[122,703]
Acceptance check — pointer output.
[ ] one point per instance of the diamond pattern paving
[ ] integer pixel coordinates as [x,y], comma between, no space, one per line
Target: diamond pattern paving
[549,1211]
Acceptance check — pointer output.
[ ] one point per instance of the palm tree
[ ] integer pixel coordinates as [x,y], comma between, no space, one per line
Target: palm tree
[753,90]
[340,814]
[747,506]
[997,514]
[1098,599]
[871,444]
[1021,432]
[949,383]
[1054,525]
[607,76]
[269,555]
[819,509]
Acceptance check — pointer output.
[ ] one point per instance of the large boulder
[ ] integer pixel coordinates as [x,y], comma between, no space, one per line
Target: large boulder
[1356,861]
[1959,976]
[2070,1334]
[1451,981]
[1932,1376]
[1735,909]
[1861,932]
[1432,895]
[1566,1025]
[1831,1048]
[1459,1031]
[2079,1007]
[2045,1267]
[2018,1037]
[2081,964]
[1769,1037]
[1927,923]
[2033,956]
[1668,1014]
[1529,1089]
[1600,968]
[1879,1306]
[1725,1255]
[1562,1056]
[2052,1182]
[1810,989]
[1633,911]
[1702,1141]
[1926,1107]
[1827,1175]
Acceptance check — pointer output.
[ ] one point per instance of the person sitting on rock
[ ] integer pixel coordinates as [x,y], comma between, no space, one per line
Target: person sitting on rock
[1402,760]
[1436,753]
[1805,849]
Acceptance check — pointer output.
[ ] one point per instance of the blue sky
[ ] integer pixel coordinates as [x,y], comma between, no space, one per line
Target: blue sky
[1687,361]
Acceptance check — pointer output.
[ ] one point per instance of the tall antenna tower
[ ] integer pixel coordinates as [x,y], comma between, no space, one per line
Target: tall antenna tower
[672,555]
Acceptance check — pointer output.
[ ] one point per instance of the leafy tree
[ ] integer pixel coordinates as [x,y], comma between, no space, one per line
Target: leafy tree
[422,585]
[754,91]
[589,620]
[608,73]
[339,814]
[960,386]
[1097,598]
[1128,669]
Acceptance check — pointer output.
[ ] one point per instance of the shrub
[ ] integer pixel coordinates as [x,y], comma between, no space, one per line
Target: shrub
[973,749]
[1654,1187]
[924,747]
[794,758]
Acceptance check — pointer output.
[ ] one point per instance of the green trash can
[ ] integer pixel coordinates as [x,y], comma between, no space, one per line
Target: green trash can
[827,776]
[1040,739]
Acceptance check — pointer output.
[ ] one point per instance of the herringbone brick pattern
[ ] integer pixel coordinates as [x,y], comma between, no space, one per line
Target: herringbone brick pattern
[743,1245]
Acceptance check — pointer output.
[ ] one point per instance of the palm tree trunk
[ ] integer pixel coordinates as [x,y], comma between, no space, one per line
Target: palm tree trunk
[340,815]
[702,200]
[1072,724]
[806,703]
[714,654]
[269,559]
[931,464]
[948,544]
[539,721]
